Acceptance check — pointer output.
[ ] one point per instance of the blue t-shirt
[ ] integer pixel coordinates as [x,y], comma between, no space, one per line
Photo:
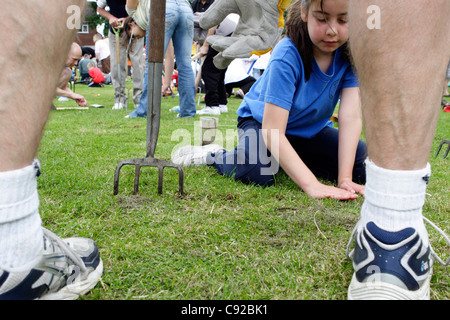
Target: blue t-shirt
[310,103]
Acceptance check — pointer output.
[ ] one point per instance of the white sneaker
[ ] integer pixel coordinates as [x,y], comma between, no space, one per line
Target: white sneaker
[68,268]
[118,106]
[391,265]
[212,111]
[194,155]
[223,108]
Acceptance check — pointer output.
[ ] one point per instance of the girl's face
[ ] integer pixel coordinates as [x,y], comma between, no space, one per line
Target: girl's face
[137,31]
[327,25]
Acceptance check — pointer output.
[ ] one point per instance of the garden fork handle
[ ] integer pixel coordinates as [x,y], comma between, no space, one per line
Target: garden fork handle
[155,62]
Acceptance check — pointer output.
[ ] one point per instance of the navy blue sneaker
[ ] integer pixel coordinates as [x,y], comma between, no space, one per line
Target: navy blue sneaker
[390,265]
[68,268]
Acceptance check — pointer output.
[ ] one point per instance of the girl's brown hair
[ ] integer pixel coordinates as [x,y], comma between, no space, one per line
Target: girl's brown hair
[297,31]
[124,35]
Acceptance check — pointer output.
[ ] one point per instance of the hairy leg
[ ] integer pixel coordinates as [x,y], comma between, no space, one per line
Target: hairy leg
[36,40]
[401,67]
[34,49]
[35,263]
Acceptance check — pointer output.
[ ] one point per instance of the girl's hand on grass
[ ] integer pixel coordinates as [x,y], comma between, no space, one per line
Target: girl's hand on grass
[351,186]
[320,191]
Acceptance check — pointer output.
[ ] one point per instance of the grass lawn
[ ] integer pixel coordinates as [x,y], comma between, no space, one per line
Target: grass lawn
[223,239]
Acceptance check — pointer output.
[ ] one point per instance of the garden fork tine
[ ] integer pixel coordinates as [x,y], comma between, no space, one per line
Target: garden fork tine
[440,147]
[155,61]
[148,162]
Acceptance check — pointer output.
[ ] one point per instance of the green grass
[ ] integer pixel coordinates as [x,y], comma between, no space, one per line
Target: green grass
[223,239]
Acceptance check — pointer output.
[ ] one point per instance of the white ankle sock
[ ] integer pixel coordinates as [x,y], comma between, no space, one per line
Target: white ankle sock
[21,242]
[394,198]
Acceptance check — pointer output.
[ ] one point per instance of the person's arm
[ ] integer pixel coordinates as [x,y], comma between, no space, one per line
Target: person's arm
[64,90]
[113,20]
[205,46]
[132,4]
[131,7]
[350,126]
[274,133]
[168,67]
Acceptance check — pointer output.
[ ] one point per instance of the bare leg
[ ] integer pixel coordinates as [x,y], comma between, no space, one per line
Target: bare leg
[400,66]
[34,47]
[34,51]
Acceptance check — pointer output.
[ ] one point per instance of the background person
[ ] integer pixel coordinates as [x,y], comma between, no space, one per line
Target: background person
[292,102]
[83,67]
[115,16]
[102,53]
[179,28]
[63,84]
[98,79]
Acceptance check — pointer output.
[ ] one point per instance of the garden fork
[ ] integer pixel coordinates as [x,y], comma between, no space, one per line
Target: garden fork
[440,147]
[155,61]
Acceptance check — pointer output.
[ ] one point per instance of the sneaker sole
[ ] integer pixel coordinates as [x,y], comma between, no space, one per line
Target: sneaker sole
[77,289]
[386,291]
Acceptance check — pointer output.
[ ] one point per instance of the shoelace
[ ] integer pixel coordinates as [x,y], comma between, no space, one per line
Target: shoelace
[349,254]
[66,249]
[433,253]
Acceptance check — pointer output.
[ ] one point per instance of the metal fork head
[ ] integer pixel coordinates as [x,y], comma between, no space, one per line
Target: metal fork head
[148,162]
[447,142]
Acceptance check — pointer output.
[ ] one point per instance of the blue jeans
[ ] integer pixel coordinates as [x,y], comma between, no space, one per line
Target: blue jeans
[251,162]
[179,27]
